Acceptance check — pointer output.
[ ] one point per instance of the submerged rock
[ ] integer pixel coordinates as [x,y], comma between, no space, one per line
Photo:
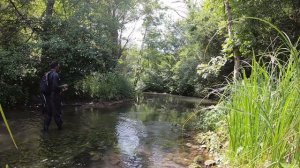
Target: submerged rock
[199,160]
[44,160]
[195,165]
[114,159]
[181,161]
[209,163]
[95,156]
[203,146]
[195,147]
[188,145]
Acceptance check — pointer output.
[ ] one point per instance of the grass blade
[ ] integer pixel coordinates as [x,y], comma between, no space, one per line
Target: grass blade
[7,126]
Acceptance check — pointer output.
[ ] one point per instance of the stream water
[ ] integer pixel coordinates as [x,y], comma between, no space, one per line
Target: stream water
[144,134]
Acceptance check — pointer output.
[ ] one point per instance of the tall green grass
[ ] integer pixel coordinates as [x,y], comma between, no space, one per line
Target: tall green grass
[264,112]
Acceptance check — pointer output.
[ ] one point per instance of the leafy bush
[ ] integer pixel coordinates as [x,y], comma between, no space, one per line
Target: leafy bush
[12,95]
[105,86]
[14,67]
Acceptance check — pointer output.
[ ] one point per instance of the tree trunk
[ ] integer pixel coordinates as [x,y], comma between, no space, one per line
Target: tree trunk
[237,57]
[46,33]
[115,41]
[114,32]
[140,68]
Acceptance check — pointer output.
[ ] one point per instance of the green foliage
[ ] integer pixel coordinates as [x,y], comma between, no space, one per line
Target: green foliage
[105,86]
[84,36]
[167,60]
[185,80]
[87,36]
[14,69]
[11,94]
[213,67]
[211,119]
[205,29]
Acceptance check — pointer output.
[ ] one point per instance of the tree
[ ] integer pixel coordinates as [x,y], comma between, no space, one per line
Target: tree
[236,55]
[47,27]
[85,36]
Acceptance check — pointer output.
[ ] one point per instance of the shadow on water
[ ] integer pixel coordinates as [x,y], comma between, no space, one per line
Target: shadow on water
[144,134]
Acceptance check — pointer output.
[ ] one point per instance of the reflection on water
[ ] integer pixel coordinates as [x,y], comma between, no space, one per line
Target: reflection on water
[145,134]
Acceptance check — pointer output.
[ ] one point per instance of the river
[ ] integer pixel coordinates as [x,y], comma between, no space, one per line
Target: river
[144,134]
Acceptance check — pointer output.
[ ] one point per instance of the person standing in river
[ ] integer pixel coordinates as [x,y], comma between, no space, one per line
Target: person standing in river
[53,98]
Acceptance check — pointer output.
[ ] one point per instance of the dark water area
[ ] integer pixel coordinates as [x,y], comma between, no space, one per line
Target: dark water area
[143,134]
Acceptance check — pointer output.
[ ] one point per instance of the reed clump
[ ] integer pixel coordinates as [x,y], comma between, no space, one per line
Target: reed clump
[263,112]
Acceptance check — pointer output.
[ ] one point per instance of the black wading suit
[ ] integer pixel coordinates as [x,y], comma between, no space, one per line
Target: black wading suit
[53,102]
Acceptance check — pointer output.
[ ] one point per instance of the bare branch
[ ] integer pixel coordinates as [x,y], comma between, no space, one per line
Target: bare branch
[15,7]
[127,40]
[176,11]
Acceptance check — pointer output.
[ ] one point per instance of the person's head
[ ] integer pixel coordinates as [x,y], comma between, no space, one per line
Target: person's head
[54,65]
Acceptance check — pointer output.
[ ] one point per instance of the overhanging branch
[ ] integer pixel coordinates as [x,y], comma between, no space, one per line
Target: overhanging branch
[24,18]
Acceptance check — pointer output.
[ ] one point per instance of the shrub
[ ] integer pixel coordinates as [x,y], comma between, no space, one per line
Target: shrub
[105,86]
[11,95]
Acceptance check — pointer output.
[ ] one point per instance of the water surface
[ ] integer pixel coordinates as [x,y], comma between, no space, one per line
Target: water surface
[144,134]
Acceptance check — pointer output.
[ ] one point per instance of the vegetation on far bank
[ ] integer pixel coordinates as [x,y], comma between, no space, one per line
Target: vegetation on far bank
[88,37]
[105,87]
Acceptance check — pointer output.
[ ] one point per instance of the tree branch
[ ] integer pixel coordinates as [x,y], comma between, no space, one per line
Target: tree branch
[26,20]
[174,10]
[127,40]
[15,7]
